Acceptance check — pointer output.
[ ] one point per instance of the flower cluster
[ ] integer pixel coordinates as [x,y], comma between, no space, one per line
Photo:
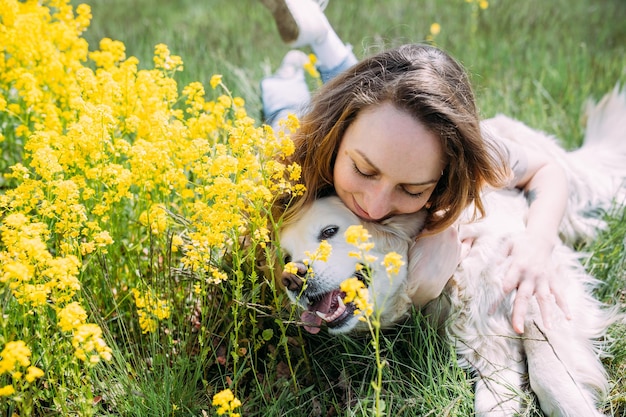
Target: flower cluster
[150,310]
[358,294]
[112,168]
[13,359]
[355,289]
[226,402]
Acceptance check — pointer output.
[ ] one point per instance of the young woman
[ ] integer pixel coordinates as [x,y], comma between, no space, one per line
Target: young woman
[399,132]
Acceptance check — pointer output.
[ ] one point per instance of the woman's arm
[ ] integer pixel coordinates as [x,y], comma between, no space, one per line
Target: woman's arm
[545,185]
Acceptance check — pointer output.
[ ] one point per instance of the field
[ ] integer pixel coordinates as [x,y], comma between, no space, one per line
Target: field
[136,269]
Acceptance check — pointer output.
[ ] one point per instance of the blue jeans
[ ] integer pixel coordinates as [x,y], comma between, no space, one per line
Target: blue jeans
[281,96]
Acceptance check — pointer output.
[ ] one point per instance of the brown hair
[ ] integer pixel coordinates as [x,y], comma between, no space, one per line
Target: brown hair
[429,85]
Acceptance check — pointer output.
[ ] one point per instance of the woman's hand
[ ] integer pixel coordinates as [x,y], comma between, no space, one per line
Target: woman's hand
[532,273]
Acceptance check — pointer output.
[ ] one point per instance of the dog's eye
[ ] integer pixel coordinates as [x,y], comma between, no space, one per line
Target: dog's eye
[328,232]
[287,259]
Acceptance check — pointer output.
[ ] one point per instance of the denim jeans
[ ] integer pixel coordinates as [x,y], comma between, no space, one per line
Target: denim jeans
[281,96]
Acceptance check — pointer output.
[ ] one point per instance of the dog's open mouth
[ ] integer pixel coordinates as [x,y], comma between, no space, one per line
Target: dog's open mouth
[328,307]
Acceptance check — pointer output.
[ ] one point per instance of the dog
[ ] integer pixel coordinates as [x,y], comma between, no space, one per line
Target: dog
[560,363]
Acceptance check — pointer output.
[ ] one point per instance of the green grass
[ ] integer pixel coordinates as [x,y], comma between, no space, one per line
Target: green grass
[535,60]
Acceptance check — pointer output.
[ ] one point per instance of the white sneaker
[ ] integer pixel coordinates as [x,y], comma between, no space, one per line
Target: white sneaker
[300,22]
[286,91]
[292,64]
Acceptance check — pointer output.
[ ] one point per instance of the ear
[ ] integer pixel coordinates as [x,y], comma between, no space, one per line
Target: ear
[407,224]
[397,231]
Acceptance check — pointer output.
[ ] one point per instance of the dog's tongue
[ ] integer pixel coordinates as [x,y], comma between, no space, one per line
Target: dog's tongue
[312,322]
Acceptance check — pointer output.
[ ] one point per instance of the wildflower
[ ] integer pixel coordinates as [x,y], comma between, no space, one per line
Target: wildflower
[358,236]
[435,29]
[155,218]
[291,268]
[166,61]
[89,345]
[226,402]
[392,263]
[71,316]
[150,309]
[216,80]
[33,373]
[358,294]
[322,252]
[14,354]
[7,391]
[310,68]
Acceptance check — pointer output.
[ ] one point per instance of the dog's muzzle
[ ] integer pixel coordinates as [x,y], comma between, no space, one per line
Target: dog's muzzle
[320,305]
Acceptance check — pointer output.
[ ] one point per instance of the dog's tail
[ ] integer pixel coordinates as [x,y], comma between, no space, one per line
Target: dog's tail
[606,121]
[598,168]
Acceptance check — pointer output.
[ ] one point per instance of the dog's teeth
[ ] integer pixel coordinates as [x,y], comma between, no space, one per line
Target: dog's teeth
[321,315]
[341,304]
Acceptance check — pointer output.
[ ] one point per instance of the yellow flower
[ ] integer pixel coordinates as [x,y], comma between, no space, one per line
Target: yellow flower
[33,373]
[14,353]
[87,340]
[216,80]
[150,309]
[226,402]
[7,390]
[358,294]
[392,263]
[483,4]
[435,29]
[71,316]
[310,68]
[322,252]
[291,268]
[358,236]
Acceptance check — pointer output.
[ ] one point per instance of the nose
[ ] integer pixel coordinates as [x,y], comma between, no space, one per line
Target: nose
[294,282]
[378,203]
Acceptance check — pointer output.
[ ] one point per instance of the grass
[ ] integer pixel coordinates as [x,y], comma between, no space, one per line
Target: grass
[533,60]
[537,61]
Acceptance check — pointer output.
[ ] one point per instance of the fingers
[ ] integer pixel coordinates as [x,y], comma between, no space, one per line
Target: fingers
[546,294]
[545,299]
[520,306]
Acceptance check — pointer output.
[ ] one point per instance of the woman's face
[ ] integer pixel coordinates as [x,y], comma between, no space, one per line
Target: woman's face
[388,163]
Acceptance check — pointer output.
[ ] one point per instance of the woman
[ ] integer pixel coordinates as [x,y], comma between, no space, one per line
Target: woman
[399,132]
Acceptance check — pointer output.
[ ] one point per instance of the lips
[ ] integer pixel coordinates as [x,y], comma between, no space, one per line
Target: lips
[328,307]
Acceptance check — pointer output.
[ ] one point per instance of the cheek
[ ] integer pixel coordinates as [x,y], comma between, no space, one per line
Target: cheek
[409,205]
[343,176]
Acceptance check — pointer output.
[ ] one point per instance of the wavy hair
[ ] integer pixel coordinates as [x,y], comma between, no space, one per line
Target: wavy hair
[426,83]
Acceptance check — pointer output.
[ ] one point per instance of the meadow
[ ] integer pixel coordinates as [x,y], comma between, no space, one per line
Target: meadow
[136,240]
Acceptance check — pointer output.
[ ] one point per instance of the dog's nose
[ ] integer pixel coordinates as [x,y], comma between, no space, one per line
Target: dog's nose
[294,282]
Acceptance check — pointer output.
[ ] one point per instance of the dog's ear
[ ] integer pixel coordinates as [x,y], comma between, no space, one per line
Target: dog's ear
[397,231]
[406,224]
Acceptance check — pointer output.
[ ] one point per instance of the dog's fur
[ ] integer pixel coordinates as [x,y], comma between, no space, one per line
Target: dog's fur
[561,363]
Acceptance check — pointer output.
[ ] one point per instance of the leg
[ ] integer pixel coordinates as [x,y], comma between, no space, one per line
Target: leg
[302,23]
[286,91]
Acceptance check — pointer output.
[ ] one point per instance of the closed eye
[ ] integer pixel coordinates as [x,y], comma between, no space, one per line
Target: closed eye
[412,195]
[328,232]
[361,173]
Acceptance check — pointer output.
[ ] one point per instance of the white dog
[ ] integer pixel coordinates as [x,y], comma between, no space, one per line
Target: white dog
[561,363]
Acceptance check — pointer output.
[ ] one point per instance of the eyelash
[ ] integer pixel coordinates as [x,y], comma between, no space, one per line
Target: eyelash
[370,176]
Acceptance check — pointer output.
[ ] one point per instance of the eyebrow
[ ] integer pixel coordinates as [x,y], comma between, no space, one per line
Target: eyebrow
[412,184]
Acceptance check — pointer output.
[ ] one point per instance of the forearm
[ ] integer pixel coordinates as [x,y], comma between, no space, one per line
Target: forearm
[547,194]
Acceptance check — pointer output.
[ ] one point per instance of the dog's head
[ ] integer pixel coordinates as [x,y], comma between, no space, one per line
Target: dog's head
[315,285]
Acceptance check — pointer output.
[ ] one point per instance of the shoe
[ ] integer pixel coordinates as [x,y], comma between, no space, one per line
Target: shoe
[286,91]
[299,22]
[292,64]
